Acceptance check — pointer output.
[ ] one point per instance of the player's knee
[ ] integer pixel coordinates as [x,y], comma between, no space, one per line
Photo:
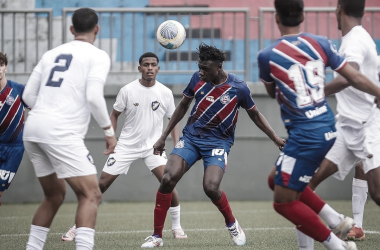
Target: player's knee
[103,186]
[56,199]
[211,190]
[167,182]
[376,198]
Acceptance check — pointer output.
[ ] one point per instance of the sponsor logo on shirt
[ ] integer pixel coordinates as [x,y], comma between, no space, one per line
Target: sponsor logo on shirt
[180,144]
[225,98]
[9,100]
[316,112]
[155,105]
[110,161]
[210,98]
[136,104]
[330,135]
[305,178]
[4,175]
[90,159]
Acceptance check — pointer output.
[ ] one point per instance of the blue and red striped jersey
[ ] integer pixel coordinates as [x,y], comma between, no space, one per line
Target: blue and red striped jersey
[12,112]
[216,109]
[296,64]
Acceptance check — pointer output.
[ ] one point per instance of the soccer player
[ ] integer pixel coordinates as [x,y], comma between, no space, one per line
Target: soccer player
[65,88]
[293,71]
[12,111]
[359,118]
[208,135]
[144,103]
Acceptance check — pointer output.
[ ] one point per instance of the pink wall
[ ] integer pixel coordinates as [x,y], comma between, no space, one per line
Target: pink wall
[324,28]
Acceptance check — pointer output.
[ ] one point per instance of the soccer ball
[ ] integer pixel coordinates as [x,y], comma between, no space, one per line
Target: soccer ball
[171,34]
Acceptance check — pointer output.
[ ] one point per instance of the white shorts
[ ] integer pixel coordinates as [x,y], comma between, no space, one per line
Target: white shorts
[120,161]
[352,145]
[69,160]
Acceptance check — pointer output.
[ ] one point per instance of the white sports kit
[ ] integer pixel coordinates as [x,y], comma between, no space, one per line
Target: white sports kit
[358,124]
[64,89]
[143,109]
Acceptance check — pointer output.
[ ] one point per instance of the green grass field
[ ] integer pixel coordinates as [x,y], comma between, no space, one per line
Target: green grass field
[125,226]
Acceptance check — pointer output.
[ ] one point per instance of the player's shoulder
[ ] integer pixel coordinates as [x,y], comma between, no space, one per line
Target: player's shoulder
[16,84]
[163,88]
[130,86]
[358,35]
[236,82]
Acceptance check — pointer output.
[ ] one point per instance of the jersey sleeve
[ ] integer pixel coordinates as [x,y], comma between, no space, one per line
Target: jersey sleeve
[246,101]
[121,100]
[355,51]
[264,67]
[189,90]
[99,67]
[171,107]
[335,60]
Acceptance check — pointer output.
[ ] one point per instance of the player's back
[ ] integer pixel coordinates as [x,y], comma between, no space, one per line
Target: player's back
[61,110]
[296,65]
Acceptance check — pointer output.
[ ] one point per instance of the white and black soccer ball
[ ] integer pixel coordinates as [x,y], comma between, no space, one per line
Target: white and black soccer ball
[171,34]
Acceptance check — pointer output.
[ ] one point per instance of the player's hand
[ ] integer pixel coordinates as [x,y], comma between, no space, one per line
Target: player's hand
[280,143]
[110,145]
[159,146]
[377,101]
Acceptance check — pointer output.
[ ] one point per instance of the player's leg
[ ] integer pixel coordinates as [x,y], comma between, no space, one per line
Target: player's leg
[54,193]
[359,198]
[325,170]
[373,179]
[86,188]
[106,180]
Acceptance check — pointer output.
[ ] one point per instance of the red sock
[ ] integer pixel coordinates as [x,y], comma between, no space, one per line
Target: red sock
[271,182]
[162,206]
[305,219]
[224,207]
[312,199]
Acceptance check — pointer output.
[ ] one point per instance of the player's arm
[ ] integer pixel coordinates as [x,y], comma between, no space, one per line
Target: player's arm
[178,114]
[339,83]
[175,134]
[359,81]
[114,116]
[30,93]
[271,89]
[263,124]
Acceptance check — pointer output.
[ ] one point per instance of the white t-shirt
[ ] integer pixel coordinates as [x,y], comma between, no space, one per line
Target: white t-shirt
[61,112]
[144,109]
[354,106]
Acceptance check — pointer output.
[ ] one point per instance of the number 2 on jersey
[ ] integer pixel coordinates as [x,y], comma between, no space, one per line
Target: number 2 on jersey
[58,83]
[314,77]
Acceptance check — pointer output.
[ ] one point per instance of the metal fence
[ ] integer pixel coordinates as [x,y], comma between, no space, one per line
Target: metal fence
[126,33]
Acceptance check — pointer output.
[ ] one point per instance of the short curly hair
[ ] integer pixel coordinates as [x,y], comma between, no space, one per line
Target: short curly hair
[3,59]
[206,53]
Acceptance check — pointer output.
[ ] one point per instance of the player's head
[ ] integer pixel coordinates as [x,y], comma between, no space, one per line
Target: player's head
[351,8]
[210,62]
[289,12]
[3,65]
[148,66]
[85,24]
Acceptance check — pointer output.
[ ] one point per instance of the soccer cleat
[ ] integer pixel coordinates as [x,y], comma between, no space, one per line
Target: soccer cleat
[152,241]
[179,233]
[69,235]
[356,233]
[237,234]
[343,227]
[350,245]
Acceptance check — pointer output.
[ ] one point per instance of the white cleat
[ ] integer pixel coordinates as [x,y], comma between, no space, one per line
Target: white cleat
[350,245]
[152,241]
[237,234]
[69,235]
[179,233]
[344,227]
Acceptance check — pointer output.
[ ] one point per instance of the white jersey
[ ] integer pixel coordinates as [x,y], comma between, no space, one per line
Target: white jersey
[144,109]
[354,106]
[61,112]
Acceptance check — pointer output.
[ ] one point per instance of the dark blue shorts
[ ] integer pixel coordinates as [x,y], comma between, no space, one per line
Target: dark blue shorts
[304,151]
[213,152]
[10,159]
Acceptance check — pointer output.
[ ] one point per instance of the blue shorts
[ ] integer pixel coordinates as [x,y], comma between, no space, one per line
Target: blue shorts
[304,151]
[10,159]
[213,152]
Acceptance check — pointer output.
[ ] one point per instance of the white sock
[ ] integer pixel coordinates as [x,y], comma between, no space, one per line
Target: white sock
[37,237]
[175,213]
[304,242]
[331,216]
[84,238]
[334,243]
[359,198]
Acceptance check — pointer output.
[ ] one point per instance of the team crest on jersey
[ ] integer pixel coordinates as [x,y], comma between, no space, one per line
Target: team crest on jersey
[155,105]
[333,48]
[90,159]
[180,144]
[9,100]
[110,161]
[225,98]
